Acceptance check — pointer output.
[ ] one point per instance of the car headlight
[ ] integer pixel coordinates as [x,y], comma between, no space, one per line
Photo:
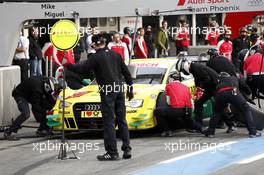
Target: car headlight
[135,103]
[67,104]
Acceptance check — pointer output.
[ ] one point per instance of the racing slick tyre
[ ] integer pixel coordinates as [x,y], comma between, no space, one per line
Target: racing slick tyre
[161,102]
[257,113]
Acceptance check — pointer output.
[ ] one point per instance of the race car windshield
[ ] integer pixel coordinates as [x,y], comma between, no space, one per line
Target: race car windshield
[150,75]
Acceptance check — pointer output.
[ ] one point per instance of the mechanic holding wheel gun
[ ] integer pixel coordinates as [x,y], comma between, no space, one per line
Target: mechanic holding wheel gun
[109,69]
[205,78]
[227,91]
[179,99]
[39,92]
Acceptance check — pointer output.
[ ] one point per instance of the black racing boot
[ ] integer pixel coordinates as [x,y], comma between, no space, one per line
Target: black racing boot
[127,153]
[8,135]
[107,157]
[44,133]
[254,135]
[231,129]
[209,133]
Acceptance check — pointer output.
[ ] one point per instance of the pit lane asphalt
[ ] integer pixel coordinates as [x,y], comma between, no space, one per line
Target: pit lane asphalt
[24,157]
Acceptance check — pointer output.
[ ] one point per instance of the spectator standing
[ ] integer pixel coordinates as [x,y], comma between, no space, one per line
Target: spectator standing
[22,56]
[90,49]
[35,53]
[240,43]
[127,39]
[119,47]
[79,49]
[141,50]
[149,39]
[162,40]
[212,35]
[225,46]
[182,38]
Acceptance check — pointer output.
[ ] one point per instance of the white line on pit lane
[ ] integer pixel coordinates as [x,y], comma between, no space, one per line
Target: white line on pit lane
[251,159]
[197,152]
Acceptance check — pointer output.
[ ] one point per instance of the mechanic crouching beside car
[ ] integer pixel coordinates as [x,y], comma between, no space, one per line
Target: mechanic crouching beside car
[179,100]
[41,93]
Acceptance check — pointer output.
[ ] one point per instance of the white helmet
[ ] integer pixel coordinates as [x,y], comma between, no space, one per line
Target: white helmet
[51,85]
[183,65]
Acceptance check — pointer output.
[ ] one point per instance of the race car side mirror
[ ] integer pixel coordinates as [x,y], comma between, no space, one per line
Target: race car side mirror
[133,71]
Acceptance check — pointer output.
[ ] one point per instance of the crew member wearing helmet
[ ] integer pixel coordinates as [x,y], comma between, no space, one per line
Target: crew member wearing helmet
[204,77]
[39,92]
[240,43]
[179,100]
[220,63]
[227,92]
[225,46]
[254,71]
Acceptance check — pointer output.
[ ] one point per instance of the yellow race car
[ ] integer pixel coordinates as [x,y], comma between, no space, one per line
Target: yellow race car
[82,107]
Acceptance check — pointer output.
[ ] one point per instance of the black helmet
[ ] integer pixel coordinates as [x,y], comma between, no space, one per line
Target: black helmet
[127,30]
[175,76]
[98,39]
[212,52]
[254,37]
[242,54]
[222,75]
[255,49]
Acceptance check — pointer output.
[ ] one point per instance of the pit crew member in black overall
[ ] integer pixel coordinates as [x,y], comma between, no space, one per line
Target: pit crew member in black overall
[179,100]
[204,77]
[109,69]
[227,91]
[39,92]
[220,63]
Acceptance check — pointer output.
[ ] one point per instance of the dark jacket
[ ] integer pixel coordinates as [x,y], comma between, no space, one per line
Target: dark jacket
[80,47]
[238,45]
[204,76]
[32,89]
[234,82]
[34,48]
[221,64]
[108,66]
[149,39]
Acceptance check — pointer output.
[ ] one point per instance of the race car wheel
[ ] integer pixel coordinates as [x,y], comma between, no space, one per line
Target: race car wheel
[161,101]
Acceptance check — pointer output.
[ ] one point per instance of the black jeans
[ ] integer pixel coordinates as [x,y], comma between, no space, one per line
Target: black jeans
[23,64]
[25,114]
[238,101]
[151,54]
[198,106]
[113,104]
[166,115]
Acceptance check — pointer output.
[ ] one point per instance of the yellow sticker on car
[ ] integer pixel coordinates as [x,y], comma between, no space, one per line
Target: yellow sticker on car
[91,114]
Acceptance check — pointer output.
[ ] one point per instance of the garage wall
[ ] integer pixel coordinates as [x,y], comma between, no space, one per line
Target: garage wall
[9,78]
